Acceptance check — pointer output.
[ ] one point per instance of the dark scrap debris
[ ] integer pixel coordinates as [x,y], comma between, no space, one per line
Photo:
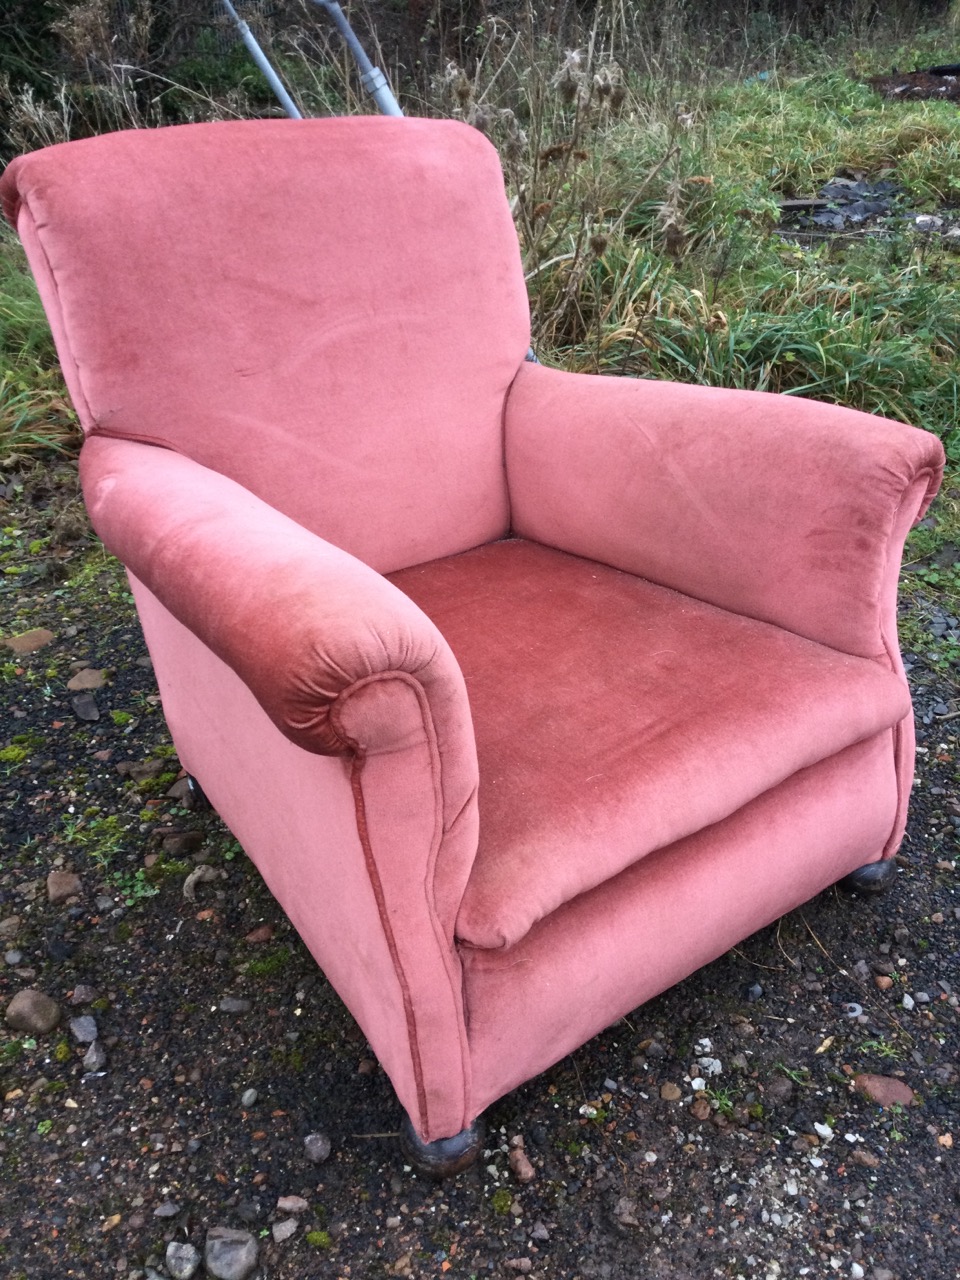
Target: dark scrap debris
[929,82]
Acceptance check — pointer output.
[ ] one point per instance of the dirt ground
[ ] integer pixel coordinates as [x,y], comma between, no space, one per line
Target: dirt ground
[717,1131]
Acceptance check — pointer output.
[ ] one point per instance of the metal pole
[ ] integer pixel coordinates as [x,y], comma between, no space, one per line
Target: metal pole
[372,78]
[260,58]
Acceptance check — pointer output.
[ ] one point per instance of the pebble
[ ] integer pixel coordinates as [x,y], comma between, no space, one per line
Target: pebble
[539,1232]
[62,885]
[885,1091]
[670,1092]
[248,1097]
[32,1012]
[883,981]
[908,1002]
[317,1147]
[85,707]
[231,1004]
[95,1059]
[29,641]
[12,958]
[9,928]
[520,1165]
[393,1222]
[83,994]
[84,1029]
[292,1204]
[86,679]
[182,1260]
[283,1230]
[230,1254]
[856,1271]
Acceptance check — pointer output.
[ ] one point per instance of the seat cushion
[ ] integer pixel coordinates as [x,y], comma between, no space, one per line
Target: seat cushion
[614,717]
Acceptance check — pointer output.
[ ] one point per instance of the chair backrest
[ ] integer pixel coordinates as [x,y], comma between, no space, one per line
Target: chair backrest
[329,311]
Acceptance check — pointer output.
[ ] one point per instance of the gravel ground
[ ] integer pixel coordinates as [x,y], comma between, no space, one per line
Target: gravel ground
[202,1075]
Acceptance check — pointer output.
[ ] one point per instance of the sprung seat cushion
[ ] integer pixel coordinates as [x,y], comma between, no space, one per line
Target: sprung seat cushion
[614,717]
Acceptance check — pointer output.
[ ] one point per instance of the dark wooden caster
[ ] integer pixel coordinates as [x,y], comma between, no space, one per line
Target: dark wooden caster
[444,1157]
[198,800]
[874,878]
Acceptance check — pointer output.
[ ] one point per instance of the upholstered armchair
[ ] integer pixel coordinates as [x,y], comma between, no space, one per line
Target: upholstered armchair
[552,687]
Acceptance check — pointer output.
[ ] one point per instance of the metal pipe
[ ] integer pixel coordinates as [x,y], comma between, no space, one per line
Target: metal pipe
[372,78]
[260,58]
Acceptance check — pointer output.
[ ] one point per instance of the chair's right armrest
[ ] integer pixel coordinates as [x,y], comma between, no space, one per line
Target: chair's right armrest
[779,508]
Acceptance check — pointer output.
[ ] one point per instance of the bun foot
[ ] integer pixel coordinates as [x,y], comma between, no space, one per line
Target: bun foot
[874,878]
[444,1157]
[198,800]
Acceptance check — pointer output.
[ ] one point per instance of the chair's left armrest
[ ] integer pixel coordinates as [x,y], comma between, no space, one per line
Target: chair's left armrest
[783,509]
[322,641]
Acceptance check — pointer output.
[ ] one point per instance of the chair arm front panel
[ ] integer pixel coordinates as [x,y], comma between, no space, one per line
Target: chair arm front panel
[363,895]
[785,510]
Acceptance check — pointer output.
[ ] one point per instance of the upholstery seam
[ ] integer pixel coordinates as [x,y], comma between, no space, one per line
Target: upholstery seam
[373,872]
[503,444]
[447,950]
[25,208]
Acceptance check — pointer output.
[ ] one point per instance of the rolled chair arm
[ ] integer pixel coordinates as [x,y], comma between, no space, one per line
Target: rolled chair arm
[778,508]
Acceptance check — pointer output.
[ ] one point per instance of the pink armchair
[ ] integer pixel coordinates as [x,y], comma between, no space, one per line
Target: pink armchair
[554,687]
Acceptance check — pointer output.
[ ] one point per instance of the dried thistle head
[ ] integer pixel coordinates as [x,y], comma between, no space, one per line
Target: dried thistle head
[481,117]
[598,244]
[453,85]
[569,78]
[515,141]
[608,85]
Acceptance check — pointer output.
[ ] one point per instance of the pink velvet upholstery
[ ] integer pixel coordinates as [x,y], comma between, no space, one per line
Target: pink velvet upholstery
[630,688]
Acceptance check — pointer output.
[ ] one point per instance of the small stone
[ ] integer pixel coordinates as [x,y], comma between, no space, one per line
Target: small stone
[922,997]
[539,1232]
[856,1271]
[85,707]
[670,1092]
[248,1098]
[366,1067]
[885,1091]
[881,1273]
[182,844]
[84,1029]
[182,1260]
[283,1230]
[84,994]
[883,981]
[169,1209]
[230,1254]
[88,678]
[523,1265]
[393,1222]
[140,770]
[292,1204]
[32,1012]
[95,1059]
[861,1156]
[263,933]
[858,1192]
[104,903]
[701,1109]
[30,641]
[754,992]
[317,1147]
[626,1212]
[62,885]
[520,1165]
[13,958]
[9,928]
[231,1004]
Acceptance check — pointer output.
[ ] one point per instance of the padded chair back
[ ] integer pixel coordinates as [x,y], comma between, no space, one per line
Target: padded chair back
[329,312]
